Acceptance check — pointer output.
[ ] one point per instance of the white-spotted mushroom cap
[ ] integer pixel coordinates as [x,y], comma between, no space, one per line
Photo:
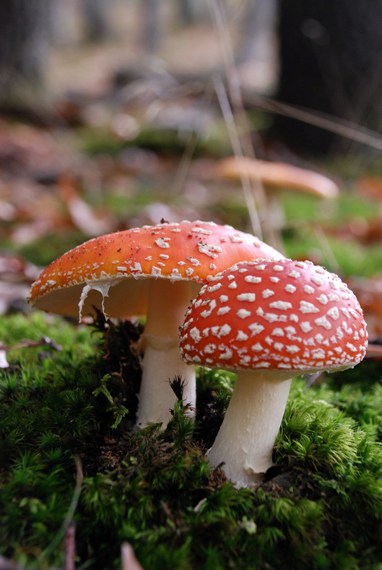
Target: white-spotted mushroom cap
[193,251]
[283,314]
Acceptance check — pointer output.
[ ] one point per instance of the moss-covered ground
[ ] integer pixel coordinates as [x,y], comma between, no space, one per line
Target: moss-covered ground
[68,453]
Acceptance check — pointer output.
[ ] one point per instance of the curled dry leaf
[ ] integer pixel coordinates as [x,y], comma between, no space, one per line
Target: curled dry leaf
[82,215]
[369,187]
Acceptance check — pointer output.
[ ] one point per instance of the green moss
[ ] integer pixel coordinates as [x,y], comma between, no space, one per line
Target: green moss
[212,140]
[305,208]
[320,508]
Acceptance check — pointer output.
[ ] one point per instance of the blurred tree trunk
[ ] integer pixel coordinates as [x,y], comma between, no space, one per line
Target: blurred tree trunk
[96,24]
[189,13]
[23,42]
[258,29]
[330,61]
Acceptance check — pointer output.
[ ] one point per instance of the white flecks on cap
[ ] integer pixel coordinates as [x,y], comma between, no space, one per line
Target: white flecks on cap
[239,239]
[255,328]
[307,307]
[224,310]
[282,305]
[333,313]
[252,279]
[162,242]
[243,313]
[318,339]
[292,348]
[199,230]
[316,280]
[278,331]
[209,249]
[306,326]
[207,312]
[212,288]
[323,322]
[194,261]
[241,335]
[267,293]
[224,330]
[195,334]
[246,297]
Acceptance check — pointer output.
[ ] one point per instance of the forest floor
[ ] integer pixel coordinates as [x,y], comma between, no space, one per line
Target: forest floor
[121,148]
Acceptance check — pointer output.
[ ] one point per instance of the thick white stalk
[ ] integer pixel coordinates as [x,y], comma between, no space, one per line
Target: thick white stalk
[168,302]
[161,364]
[247,435]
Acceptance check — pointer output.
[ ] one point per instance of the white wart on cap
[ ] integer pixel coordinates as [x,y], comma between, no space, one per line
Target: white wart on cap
[269,320]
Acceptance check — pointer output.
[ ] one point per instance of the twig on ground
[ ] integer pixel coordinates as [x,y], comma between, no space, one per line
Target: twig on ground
[129,560]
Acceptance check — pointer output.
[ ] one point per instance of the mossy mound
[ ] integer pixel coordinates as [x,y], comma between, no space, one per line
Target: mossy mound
[67,452]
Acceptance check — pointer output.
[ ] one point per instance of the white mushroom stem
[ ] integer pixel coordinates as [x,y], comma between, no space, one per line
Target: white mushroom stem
[247,435]
[168,302]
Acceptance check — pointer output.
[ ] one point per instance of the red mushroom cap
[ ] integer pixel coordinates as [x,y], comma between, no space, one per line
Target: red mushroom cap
[192,251]
[283,314]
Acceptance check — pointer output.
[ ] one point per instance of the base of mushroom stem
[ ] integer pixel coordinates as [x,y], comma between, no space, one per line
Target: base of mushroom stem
[244,444]
[161,365]
[250,479]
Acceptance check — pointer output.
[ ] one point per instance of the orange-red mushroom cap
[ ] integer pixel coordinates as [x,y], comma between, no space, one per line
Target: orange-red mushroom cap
[193,251]
[280,315]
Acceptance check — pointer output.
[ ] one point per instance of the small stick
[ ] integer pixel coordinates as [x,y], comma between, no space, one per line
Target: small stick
[70,547]
[129,560]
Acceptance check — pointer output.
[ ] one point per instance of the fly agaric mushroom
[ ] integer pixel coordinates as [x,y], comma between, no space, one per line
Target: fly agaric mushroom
[153,271]
[269,321]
